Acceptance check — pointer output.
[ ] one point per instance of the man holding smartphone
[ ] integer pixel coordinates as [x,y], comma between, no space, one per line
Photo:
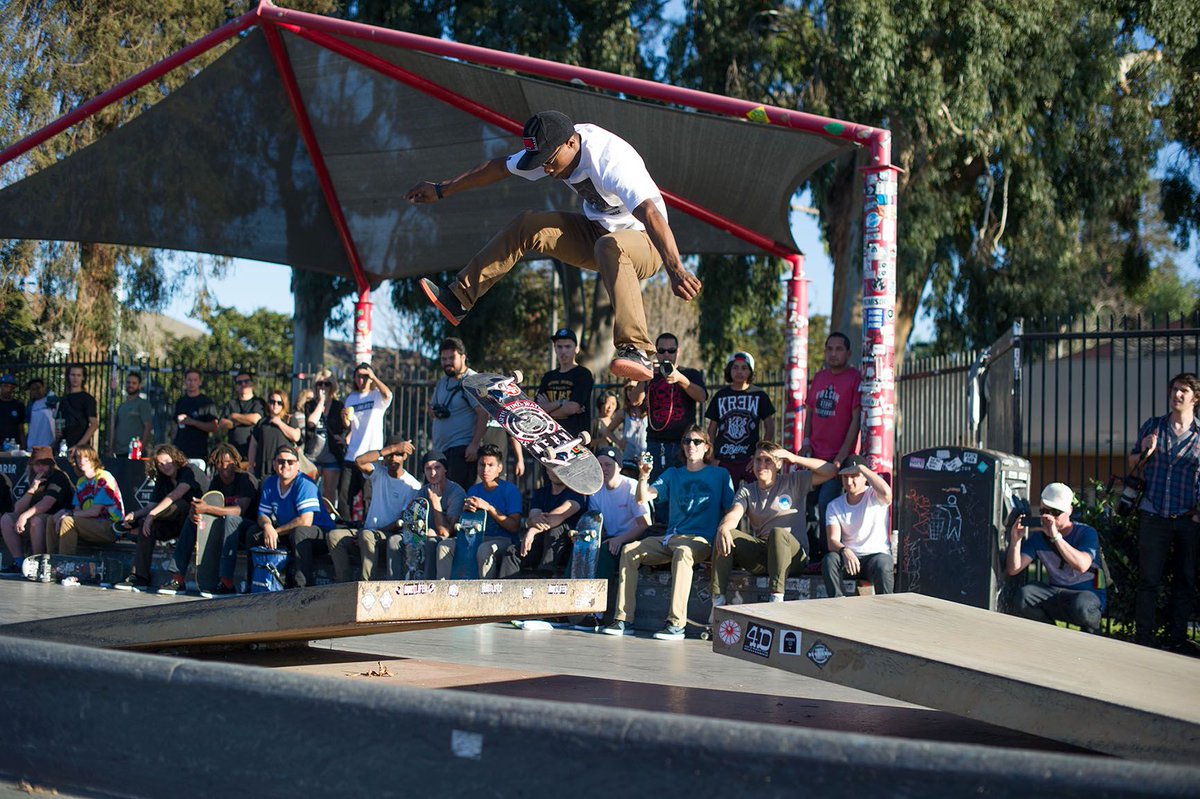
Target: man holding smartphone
[1069,552]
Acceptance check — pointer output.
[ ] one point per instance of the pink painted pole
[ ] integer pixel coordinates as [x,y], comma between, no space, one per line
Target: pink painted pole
[796,363]
[879,318]
[863,135]
[128,87]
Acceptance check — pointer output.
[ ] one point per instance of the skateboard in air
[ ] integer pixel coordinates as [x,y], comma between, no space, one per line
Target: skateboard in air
[414,527]
[466,545]
[558,450]
[208,546]
[585,546]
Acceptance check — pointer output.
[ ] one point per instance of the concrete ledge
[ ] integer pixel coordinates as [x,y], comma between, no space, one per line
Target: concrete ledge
[151,726]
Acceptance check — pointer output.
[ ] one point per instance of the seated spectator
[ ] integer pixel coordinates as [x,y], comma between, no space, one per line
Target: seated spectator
[631,421]
[392,488]
[325,431]
[1069,552]
[606,409]
[49,492]
[545,546]
[175,486]
[697,495]
[269,434]
[735,414]
[500,500]
[446,499]
[775,506]
[97,506]
[856,530]
[232,521]
[290,513]
[6,498]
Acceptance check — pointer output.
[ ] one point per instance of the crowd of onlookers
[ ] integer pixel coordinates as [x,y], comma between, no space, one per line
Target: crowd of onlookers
[322,478]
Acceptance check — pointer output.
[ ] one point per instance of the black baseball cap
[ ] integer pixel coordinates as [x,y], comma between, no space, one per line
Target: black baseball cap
[851,464]
[565,333]
[544,133]
[609,452]
[435,455]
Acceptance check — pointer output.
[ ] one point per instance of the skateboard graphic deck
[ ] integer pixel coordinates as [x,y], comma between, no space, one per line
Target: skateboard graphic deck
[56,568]
[466,545]
[208,547]
[414,526]
[585,546]
[523,419]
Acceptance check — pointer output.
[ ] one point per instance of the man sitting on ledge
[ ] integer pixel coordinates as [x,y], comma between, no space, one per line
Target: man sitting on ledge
[856,530]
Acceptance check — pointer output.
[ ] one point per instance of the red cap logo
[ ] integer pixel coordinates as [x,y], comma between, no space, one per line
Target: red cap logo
[531,143]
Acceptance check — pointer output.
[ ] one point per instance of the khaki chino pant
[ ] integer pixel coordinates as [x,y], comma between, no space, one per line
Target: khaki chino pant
[681,551]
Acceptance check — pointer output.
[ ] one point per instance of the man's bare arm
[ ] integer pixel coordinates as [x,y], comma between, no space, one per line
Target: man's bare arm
[485,174]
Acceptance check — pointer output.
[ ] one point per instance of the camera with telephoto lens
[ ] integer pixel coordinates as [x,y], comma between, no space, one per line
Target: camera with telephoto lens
[665,368]
[1131,492]
[440,411]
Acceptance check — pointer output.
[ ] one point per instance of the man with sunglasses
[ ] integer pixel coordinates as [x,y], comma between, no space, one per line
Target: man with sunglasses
[290,514]
[1069,552]
[622,233]
[242,413]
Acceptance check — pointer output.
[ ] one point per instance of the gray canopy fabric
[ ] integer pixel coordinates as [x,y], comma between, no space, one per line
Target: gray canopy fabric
[219,165]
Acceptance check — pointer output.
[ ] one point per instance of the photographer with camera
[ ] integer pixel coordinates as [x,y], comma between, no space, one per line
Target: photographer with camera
[671,398]
[458,421]
[1168,523]
[1070,554]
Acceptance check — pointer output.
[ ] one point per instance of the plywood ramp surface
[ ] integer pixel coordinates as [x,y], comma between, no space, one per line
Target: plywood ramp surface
[326,611]
[1081,689]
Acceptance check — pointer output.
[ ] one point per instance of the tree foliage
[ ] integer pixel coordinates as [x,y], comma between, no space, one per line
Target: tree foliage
[258,342]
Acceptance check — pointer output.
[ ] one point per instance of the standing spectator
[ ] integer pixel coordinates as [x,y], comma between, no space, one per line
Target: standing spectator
[735,414]
[6,497]
[1169,519]
[290,512]
[392,488]
[500,500]
[545,546]
[774,505]
[12,412]
[697,495]
[97,506]
[631,419]
[232,521]
[269,434]
[363,413]
[566,392]
[602,435]
[196,416]
[325,432]
[856,530]
[832,422]
[458,421]
[40,414]
[242,413]
[49,492]
[671,397]
[175,486]
[135,419]
[77,411]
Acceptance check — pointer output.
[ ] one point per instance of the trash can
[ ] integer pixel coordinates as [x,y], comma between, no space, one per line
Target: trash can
[954,503]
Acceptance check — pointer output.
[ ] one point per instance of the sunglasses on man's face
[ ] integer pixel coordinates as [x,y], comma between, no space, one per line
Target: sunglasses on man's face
[666,351]
[695,442]
[1050,511]
[286,461]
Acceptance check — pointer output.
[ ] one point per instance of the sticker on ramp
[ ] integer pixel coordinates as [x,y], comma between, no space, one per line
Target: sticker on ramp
[820,654]
[730,632]
[789,642]
[759,640]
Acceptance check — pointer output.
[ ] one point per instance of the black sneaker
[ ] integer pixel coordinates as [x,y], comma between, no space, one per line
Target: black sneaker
[12,568]
[445,301]
[631,364]
[133,582]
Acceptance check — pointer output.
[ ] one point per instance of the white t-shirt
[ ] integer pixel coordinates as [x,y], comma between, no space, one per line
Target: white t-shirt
[41,424]
[864,526]
[366,422]
[619,507]
[611,179]
[389,496]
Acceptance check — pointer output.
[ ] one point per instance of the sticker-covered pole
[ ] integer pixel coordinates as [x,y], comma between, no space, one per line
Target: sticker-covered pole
[796,362]
[879,312]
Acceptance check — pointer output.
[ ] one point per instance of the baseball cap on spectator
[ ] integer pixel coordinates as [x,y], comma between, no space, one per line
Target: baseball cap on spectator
[453,343]
[851,464]
[1058,496]
[40,454]
[544,132]
[8,380]
[609,452]
[287,449]
[744,357]
[565,333]
[435,455]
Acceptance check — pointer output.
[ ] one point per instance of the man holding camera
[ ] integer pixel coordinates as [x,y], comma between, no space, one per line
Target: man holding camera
[671,398]
[1069,552]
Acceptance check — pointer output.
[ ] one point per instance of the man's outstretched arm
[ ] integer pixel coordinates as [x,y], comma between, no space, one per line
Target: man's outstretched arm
[683,283]
[485,174]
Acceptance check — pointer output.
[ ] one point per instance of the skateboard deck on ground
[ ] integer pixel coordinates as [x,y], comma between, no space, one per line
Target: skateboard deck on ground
[208,546]
[559,451]
[585,546]
[414,527]
[466,545]
[56,568]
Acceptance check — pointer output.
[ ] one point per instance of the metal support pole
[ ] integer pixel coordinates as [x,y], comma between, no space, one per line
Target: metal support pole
[796,361]
[879,318]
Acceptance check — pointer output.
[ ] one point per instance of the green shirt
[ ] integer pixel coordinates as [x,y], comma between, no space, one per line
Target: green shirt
[132,416]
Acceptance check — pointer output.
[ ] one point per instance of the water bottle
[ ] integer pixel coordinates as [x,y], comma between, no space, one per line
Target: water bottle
[62,448]
[9,444]
[135,449]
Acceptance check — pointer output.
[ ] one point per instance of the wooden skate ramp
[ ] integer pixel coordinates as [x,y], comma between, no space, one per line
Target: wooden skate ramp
[1085,690]
[326,611]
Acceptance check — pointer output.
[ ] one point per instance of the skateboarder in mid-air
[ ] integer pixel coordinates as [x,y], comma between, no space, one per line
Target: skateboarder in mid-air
[622,233]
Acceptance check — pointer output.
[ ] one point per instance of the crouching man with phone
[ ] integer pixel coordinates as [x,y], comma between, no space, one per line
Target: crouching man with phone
[1069,553]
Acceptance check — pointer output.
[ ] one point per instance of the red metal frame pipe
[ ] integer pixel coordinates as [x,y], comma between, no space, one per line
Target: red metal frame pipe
[128,87]
[284,65]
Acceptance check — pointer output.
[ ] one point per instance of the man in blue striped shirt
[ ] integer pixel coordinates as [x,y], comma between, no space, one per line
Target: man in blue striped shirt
[1170,448]
[290,510]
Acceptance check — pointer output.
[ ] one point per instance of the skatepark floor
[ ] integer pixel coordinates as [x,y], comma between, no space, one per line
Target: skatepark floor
[683,677]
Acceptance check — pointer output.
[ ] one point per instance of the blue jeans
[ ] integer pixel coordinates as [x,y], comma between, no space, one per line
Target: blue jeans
[231,529]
